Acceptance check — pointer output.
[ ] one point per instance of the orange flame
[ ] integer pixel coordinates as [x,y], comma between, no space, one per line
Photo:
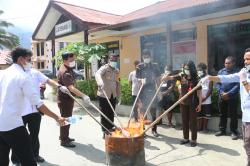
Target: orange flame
[135,129]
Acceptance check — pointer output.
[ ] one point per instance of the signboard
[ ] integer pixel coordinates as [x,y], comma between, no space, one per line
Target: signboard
[63,28]
[182,52]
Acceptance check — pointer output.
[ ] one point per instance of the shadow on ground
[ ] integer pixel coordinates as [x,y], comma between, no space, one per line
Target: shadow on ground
[89,152]
[170,141]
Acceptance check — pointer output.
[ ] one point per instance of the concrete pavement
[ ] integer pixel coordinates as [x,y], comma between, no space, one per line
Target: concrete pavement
[162,151]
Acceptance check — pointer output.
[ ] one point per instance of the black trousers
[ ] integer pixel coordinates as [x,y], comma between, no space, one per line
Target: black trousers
[19,141]
[107,110]
[225,108]
[33,121]
[189,121]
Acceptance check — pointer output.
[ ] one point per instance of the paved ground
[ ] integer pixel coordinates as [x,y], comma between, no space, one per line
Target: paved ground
[162,151]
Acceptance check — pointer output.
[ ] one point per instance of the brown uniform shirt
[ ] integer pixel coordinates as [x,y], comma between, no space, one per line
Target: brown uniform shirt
[66,78]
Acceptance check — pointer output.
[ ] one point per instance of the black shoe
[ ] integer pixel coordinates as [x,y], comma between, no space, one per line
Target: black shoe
[16,164]
[155,133]
[234,136]
[193,144]
[39,159]
[71,139]
[68,144]
[184,141]
[220,133]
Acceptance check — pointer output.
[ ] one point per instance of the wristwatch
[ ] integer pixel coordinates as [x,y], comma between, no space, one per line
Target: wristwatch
[244,83]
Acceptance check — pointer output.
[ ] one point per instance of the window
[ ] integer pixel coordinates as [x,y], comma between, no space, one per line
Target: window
[38,49]
[42,65]
[38,65]
[61,45]
[42,48]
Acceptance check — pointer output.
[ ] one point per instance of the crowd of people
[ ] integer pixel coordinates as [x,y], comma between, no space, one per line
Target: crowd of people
[196,108]
[153,92]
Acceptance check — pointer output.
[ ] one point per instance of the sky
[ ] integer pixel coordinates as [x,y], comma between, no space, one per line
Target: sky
[25,14]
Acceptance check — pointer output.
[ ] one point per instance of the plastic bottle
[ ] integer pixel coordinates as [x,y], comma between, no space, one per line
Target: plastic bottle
[73,119]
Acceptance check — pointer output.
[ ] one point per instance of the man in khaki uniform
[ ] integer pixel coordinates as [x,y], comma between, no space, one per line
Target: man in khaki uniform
[107,78]
[65,102]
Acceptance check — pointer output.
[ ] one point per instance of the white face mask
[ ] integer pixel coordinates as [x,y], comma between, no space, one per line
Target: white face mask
[147,60]
[187,72]
[113,64]
[27,66]
[72,64]
[200,74]
[247,67]
[167,72]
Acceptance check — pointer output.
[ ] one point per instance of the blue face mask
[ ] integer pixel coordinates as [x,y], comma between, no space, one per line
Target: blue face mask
[113,64]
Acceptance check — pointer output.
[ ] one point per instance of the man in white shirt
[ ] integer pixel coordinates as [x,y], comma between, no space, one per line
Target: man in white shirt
[31,116]
[135,83]
[15,87]
[242,77]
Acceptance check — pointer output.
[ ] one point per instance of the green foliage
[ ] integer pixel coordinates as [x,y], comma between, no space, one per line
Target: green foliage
[126,93]
[85,54]
[7,39]
[88,87]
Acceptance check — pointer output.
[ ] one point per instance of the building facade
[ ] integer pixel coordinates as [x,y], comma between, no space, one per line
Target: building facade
[174,31]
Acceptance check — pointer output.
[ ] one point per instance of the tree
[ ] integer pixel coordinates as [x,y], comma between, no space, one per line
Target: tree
[85,54]
[7,39]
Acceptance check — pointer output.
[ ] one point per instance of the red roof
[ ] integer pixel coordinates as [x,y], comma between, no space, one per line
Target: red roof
[4,54]
[89,15]
[94,16]
[164,6]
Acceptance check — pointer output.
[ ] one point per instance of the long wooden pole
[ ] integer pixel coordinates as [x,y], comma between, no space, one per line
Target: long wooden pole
[90,114]
[172,107]
[135,102]
[151,102]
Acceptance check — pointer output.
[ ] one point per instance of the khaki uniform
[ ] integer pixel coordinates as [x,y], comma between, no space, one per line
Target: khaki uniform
[109,78]
[65,102]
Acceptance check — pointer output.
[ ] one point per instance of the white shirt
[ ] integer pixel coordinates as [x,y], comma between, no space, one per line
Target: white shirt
[244,95]
[135,83]
[37,79]
[15,86]
[205,88]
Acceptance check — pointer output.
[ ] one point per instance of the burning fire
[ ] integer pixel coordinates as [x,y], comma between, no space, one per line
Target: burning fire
[135,129]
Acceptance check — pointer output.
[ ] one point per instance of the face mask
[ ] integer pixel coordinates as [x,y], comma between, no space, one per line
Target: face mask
[27,66]
[187,72]
[247,67]
[72,64]
[201,74]
[113,64]
[147,60]
[167,72]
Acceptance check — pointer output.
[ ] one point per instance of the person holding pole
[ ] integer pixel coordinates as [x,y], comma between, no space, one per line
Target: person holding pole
[149,73]
[16,88]
[192,104]
[31,116]
[242,77]
[107,78]
[167,92]
[65,103]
